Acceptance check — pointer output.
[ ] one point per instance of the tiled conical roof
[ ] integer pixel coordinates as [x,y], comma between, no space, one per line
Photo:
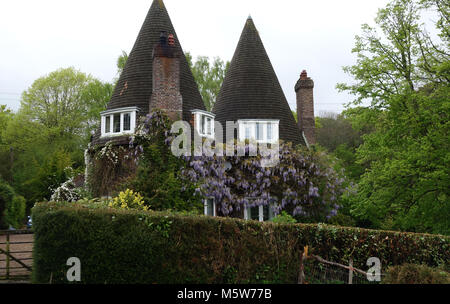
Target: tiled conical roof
[134,87]
[251,89]
[137,73]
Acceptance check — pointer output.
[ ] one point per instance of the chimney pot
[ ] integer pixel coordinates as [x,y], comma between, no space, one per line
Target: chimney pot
[303,75]
[171,40]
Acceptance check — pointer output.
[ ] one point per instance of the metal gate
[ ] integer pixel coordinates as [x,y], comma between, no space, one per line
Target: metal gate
[16,258]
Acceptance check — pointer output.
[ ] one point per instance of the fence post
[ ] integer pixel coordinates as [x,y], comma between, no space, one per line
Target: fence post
[350,272]
[301,275]
[7,256]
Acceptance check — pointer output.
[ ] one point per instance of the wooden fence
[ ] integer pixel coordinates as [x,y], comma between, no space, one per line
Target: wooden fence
[16,247]
[326,272]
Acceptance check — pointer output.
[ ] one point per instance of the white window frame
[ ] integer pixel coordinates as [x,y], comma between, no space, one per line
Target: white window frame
[247,212]
[122,111]
[200,115]
[205,205]
[250,125]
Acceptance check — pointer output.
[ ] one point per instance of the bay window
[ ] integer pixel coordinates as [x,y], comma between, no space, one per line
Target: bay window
[264,131]
[118,121]
[204,123]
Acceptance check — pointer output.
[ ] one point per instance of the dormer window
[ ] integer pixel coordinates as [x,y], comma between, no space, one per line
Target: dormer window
[118,121]
[204,123]
[264,130]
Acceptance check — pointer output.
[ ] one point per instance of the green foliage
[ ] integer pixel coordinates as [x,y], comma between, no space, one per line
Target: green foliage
[5,152]
[415,274]
[403,57]
[158,173]
[121,61]
[336,130]
[284,217]
[405,74]
[15,212]
[12,207]
[50,131]
[6,197]
[128,200]
[133,246]
[209,77]
[62,101]
[406,186]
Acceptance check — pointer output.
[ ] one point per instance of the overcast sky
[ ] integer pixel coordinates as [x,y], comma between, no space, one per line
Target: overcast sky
[38,37]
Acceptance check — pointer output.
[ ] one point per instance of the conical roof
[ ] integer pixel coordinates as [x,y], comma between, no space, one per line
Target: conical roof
[134,87]
[251,89]
[137,73]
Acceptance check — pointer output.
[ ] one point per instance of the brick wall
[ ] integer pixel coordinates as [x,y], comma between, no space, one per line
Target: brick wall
[166,83]
[305,106]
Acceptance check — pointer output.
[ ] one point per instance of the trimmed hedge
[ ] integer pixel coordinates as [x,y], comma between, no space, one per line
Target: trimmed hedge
[123,246]
[415,274]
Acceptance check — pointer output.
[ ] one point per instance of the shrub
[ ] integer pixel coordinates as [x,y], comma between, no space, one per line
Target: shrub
[284,217]
[128,200]
[6,197]
[415,274]
[67,192]
[12,207]
[15,211]
[135,246]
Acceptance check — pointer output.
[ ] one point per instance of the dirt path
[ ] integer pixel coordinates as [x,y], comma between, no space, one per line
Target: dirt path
[21,251]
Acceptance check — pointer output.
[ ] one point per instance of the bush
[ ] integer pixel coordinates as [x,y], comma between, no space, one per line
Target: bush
[128,200]
[67,192]
[134,246]
[6,197]
[415,274]
[284,217]
[12,207]
[15,211]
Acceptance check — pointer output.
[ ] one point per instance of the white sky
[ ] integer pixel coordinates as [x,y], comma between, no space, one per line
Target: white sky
[38,37]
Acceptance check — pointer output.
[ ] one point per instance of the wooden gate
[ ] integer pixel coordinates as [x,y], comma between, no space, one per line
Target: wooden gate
[16,247]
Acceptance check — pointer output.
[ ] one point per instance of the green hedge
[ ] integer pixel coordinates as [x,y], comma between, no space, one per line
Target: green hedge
[118,246]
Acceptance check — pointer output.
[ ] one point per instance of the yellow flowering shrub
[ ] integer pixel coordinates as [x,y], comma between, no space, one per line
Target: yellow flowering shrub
[128,199]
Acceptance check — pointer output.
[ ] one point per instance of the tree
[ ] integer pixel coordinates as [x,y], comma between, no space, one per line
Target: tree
[404,57]
[5,151]
[120,64]
[405,74]
[209,77]
[65,101]
[51,129]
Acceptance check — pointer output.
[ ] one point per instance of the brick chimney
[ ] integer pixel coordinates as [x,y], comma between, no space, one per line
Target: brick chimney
[305,107]
[166,78]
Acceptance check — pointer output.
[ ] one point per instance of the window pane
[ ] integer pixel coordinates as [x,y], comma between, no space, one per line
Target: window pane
[203,122]
[208,126]
[209,207]
[266,213]
[116,126]
[108,124]
[259,131]
[254,213]
[247,131]
[127,121]
[269,131]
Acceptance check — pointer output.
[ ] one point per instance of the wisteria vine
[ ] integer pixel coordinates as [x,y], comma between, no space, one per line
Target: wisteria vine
[303,183]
